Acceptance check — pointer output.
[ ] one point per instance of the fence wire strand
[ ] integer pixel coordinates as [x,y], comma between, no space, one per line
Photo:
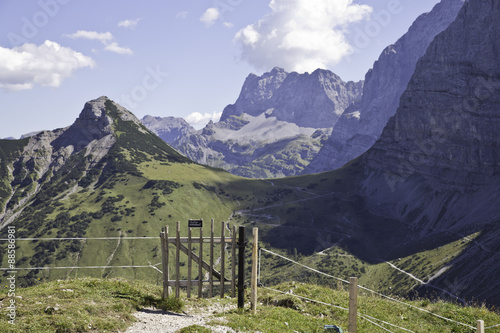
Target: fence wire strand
[365,317]
[373,291]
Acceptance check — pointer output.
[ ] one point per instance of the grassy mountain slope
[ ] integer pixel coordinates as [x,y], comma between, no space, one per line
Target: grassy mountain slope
[141,184]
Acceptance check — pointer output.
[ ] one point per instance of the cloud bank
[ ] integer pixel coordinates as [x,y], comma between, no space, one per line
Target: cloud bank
[25,66]
[300,35]
[105,38]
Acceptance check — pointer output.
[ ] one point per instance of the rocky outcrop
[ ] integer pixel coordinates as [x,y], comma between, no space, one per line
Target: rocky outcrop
[362,123]
[436,166]
[169,129]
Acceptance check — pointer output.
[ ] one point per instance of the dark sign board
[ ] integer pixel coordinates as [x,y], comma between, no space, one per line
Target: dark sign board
[195,223]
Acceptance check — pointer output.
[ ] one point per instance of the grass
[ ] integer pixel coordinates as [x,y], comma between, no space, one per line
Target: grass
[101,305]
[278,312]
[81,305]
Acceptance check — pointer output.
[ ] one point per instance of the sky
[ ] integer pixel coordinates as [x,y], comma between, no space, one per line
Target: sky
[181,58]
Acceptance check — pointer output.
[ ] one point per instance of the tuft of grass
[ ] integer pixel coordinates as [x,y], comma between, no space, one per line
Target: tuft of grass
[81,305]
[194,329]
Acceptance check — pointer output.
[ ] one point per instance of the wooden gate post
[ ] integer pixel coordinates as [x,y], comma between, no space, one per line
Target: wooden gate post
[241,267]
[200,267]
[353,305]
[480,326]
[255,257]
[164,260]
[222,258]
[210,272]
[189,263]
[177,256]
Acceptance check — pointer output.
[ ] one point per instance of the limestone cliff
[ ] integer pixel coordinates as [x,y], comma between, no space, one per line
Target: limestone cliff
[362,123]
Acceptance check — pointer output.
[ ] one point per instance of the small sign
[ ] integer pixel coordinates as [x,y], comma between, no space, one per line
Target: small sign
[195,223]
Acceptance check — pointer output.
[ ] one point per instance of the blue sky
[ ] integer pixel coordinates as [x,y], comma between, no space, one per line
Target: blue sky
[182,58]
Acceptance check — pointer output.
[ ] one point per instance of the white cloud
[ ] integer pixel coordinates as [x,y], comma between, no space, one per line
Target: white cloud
[105,38]
[210,16]
[130,24]
[300,35]
[49,64]
[114,47]
[198,120]
[228,24]
[181,15]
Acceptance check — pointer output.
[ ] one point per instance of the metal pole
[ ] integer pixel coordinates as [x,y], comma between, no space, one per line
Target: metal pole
[241,267]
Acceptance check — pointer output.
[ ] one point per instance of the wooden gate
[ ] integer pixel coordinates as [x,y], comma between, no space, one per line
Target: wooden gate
[185,245]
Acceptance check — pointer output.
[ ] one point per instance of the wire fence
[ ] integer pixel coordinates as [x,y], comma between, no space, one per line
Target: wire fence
[368,318]
[81,267]
[366,289]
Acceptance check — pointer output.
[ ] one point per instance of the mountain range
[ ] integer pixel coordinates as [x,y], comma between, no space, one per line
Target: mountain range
[416,214]
[272,131]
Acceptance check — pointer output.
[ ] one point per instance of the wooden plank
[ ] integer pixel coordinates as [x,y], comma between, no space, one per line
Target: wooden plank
[200,266]
[255,258]
[167,256]
[177,255]
[197,239]
[222,258]
[164,261]
[210,271]
[189,264]
[184,283]
[205,265]
[233,263]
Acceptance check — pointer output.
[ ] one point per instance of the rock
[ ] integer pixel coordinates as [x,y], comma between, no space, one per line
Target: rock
[169,129]
[436,166]
[307,100]
[362,123]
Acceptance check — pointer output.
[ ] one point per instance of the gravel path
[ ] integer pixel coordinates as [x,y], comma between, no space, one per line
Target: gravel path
[157,321]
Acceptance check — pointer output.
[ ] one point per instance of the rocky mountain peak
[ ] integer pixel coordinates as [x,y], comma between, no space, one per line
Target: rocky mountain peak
[384,84]
[446,127]
[323,98]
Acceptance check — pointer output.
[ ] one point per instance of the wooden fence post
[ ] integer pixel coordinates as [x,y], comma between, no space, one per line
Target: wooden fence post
[210,272]
[241,267]
[353,305]
[222,258]
[480,326]
[200,267]
[177,256]
[189,264]
[233,263]
[255,257]
[164,260]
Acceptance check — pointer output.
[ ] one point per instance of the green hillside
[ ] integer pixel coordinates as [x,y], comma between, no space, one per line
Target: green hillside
[142,184]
